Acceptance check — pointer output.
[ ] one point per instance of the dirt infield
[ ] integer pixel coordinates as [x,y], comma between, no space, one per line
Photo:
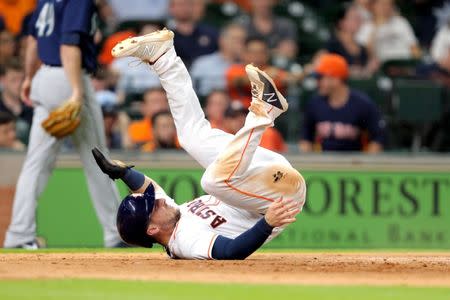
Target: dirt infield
[412,269]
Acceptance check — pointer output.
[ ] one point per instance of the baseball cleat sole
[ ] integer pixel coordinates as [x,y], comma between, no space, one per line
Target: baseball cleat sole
[264,88]
[148,47]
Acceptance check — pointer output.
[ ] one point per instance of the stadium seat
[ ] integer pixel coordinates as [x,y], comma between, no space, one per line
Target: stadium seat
[418,101]
[313,31]
[419,104]
[308,89]
[400,68]
[131,105]
[379,89]
[219,14]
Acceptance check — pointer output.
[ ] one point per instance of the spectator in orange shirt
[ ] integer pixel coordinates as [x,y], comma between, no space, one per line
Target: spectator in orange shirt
[235,118]
[164,133]
[154,101]
[13,12]
[273,140]
[217,103]
[257,53]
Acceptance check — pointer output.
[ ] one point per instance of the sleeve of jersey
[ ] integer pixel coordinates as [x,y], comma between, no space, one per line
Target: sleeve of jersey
[77,20]
[193,243]
[31,26]
[243,245]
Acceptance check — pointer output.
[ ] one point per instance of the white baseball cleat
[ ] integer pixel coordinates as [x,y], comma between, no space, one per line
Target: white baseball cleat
[265,90]
[148,47]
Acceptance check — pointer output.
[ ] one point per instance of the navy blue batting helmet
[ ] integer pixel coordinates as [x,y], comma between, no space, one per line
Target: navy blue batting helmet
[133,218]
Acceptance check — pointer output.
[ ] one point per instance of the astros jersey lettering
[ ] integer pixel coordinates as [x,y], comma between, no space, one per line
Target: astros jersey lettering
[202,220]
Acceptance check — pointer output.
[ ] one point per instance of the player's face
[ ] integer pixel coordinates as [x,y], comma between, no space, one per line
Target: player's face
[164,214]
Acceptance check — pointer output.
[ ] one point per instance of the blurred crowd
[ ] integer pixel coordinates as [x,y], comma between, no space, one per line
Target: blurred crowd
[313,50]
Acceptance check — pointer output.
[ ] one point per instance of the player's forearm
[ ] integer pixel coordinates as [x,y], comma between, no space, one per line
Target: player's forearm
[32,61]
[71,61]
[243,245]
[137,182]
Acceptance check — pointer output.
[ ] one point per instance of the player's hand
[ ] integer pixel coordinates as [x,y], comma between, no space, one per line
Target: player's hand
[115,169]
[282,212]
[76,97]
[25,92]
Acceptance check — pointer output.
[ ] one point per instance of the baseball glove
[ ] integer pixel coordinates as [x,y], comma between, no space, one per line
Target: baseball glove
[64,120]
[115,169]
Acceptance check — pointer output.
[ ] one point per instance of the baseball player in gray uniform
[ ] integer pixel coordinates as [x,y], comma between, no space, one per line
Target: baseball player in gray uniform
[61,38]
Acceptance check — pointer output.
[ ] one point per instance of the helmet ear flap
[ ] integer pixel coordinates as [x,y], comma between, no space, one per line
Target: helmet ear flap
[150,190]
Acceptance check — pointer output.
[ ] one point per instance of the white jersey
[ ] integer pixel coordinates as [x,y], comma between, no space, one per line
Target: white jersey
[202,220]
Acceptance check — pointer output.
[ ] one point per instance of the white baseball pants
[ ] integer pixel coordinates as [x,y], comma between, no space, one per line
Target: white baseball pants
[238,171]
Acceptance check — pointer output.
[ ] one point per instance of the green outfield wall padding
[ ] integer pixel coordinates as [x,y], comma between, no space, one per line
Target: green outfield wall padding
[344,209]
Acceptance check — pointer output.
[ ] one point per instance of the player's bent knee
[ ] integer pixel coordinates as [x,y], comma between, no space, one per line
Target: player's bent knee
[210,182]
[283,179]
[207,183]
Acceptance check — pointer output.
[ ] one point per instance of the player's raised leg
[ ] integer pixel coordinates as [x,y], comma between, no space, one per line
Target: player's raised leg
[194,132]
[240,177]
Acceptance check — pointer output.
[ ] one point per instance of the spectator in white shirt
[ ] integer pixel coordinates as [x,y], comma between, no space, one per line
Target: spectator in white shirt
[363,7]
[388,35]
[441,44]
[439,68]
[208,71]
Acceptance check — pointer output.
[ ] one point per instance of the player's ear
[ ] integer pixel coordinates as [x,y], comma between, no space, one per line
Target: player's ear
[152,229]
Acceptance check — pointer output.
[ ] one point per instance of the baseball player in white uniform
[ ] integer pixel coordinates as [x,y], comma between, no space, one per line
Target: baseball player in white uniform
[253,192]
[61,38]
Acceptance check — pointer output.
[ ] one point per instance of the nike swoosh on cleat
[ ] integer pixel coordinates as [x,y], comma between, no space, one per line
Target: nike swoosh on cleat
[269,93]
